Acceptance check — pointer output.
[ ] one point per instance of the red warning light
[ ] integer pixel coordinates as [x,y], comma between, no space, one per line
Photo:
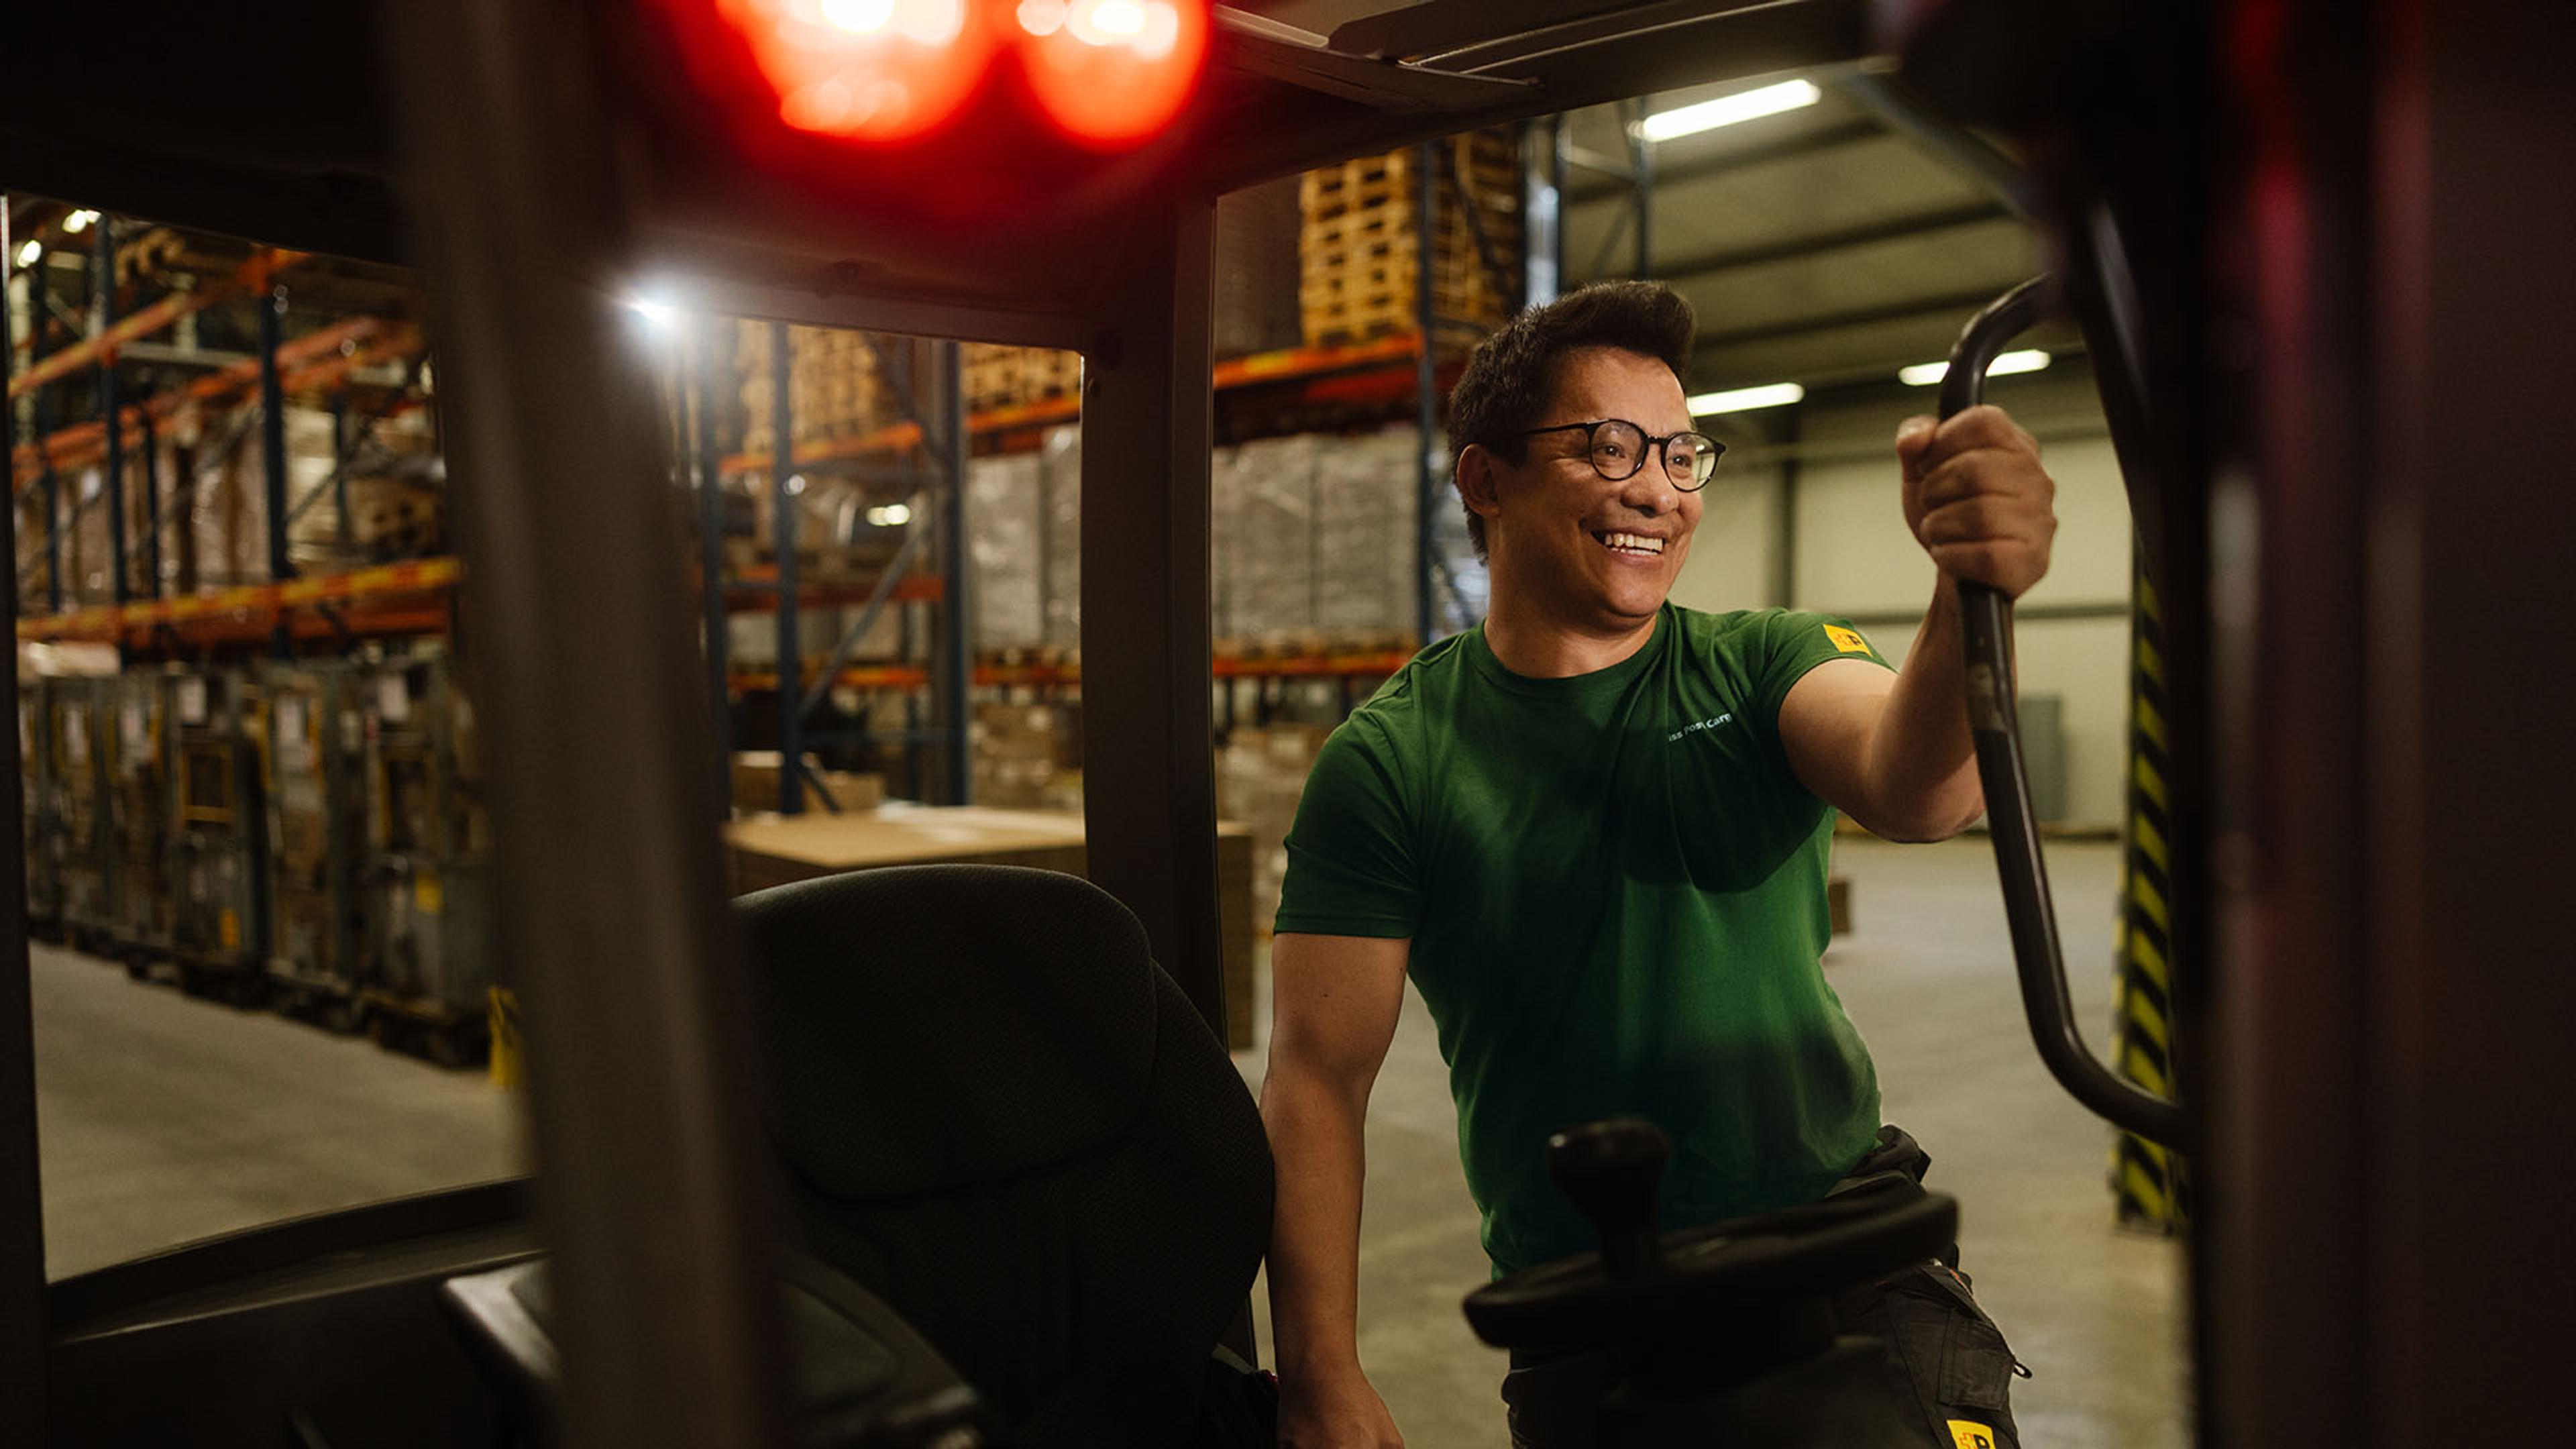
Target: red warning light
[868,70]
[1112,72]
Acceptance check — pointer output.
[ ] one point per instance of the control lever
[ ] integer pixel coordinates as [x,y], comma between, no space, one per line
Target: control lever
[1609,1171]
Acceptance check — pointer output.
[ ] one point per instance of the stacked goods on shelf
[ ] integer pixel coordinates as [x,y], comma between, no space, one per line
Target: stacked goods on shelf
[1256,269]
[1028,756]
[1359,242]
[1261,774]
[219,865]
[1313,534]
[140,750]
[37,815]
[1024,535]
[317,824]
[396,487]
[833,388]
[1007,377]
[755,785]
[84,848]
[1059,556]
[426,879]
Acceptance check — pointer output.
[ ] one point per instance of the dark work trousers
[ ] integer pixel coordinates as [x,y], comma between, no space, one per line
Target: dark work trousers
[1946,1360]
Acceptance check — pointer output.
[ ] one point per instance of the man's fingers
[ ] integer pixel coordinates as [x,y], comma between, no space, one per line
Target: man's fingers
[1972,519]
[1983,426]
[1986,471]
[1913,437]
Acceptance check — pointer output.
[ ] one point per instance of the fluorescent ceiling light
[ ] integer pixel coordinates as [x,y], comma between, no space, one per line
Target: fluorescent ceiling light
[2029,359]
[1727,110]
[1745,399]
[657,313]
[78,222]
[31,253]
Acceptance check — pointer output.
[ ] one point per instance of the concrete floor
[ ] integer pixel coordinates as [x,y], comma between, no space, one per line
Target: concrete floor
[2096,1312]
[165,1119]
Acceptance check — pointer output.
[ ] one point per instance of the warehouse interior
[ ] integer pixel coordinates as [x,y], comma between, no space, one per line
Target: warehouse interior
[268,903]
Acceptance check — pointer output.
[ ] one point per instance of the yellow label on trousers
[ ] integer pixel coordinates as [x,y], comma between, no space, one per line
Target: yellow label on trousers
[1968,1435]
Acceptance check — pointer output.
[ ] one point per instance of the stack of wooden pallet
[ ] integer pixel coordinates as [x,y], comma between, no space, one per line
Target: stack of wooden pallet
[1003,377]
[833,389]
[1359,244]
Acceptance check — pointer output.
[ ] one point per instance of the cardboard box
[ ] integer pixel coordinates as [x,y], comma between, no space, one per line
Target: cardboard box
[755,784]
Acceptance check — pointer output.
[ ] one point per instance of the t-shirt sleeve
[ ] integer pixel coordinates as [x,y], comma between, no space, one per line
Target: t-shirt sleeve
[1794,643]
[1350,858]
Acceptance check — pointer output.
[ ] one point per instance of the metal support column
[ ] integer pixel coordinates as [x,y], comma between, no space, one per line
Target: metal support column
[151,502]
[102,281]
[1641,181]
[40,419]
[1426,560]
[1784,518]
[340,469]
[706,361]
[782,536]
[22,1248]
[1149,796]
[610,913]
[272,442]
[957,676]
[1542,211]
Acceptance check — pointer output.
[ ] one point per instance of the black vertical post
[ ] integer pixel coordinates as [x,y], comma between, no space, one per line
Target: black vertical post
[1641,178]
[102,282]
[782,533]
[1149,797]
[41,420]
[1542,210]
[22,1248]
[1426,552]
[340,469]
[151,502]
[957,644]
[272,441]
[1784,523]
[711,524]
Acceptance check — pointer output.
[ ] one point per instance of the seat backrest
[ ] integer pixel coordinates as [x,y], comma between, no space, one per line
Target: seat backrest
[1000,1115]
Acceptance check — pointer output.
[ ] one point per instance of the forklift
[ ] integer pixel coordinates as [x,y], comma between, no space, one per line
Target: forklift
[2342,305]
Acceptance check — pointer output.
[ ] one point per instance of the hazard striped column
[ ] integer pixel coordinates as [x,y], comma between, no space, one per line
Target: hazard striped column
[2147,1180]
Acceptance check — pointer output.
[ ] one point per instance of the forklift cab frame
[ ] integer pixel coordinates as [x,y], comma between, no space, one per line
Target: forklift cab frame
[553,150]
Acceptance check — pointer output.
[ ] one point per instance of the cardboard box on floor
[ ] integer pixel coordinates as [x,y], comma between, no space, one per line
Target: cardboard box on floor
[774,850]
[755,784]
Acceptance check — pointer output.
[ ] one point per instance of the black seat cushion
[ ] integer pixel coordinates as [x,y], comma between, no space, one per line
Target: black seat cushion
[1002,1117]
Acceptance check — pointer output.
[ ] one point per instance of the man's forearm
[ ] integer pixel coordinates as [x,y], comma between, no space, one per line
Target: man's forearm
[1922,761]
[1317,1140]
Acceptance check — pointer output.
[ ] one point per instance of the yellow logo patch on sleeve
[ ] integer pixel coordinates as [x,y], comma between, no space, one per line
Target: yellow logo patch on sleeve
[1846,640]
[1968,1435]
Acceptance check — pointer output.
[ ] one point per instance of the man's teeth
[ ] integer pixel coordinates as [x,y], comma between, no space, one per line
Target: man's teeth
[1633,543]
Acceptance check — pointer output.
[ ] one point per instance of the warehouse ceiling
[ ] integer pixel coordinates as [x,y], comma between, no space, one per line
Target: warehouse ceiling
[1833,243]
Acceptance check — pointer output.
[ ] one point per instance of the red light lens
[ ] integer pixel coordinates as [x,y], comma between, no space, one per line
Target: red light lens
[1112,72]
[869,70]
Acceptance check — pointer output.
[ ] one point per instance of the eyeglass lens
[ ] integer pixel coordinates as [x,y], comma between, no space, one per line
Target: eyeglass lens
[1619,449]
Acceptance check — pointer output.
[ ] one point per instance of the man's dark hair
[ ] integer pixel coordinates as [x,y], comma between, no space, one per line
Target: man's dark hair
[1511,376]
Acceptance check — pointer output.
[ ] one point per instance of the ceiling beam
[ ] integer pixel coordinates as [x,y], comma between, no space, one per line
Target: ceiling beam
[1956,147]
[1821,244]
[1788,148]
[1962,304]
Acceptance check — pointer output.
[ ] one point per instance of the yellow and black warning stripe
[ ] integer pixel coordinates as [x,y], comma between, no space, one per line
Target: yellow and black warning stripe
[2148,1180]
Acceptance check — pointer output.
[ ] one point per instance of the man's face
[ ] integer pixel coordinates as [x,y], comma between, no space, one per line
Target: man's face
[1600,555]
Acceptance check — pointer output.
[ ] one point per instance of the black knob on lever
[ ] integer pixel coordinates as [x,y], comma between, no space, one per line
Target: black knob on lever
[1609,1170]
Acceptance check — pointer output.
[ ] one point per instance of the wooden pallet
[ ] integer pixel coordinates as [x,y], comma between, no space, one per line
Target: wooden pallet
[1004,377]
[1359,243]
[833,387]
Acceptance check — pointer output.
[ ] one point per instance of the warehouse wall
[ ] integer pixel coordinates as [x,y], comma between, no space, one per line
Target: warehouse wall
[1852,554]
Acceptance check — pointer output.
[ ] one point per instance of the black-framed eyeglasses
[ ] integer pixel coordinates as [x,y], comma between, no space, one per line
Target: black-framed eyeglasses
[1618,448]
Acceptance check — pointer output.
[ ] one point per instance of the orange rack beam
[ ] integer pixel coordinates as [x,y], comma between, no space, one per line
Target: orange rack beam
[387,599]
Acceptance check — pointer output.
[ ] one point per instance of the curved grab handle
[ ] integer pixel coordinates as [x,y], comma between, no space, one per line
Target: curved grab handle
[1991,720]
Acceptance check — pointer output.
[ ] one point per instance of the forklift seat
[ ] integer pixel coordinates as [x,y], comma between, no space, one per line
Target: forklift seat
[999,1115]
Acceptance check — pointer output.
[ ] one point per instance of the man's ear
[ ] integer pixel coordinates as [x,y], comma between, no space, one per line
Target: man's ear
[1479,482]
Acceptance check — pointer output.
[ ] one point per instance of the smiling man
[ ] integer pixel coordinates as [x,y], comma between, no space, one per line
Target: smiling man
[1594,832]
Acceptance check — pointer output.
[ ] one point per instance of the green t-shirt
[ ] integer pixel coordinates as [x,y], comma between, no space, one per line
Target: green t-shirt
[1615,890]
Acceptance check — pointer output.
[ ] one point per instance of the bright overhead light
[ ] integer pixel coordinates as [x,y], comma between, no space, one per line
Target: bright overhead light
[1745,399]
[1728,110]
[31,253]
[660,314]
[78,222]
[893,515]
[2029,359]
